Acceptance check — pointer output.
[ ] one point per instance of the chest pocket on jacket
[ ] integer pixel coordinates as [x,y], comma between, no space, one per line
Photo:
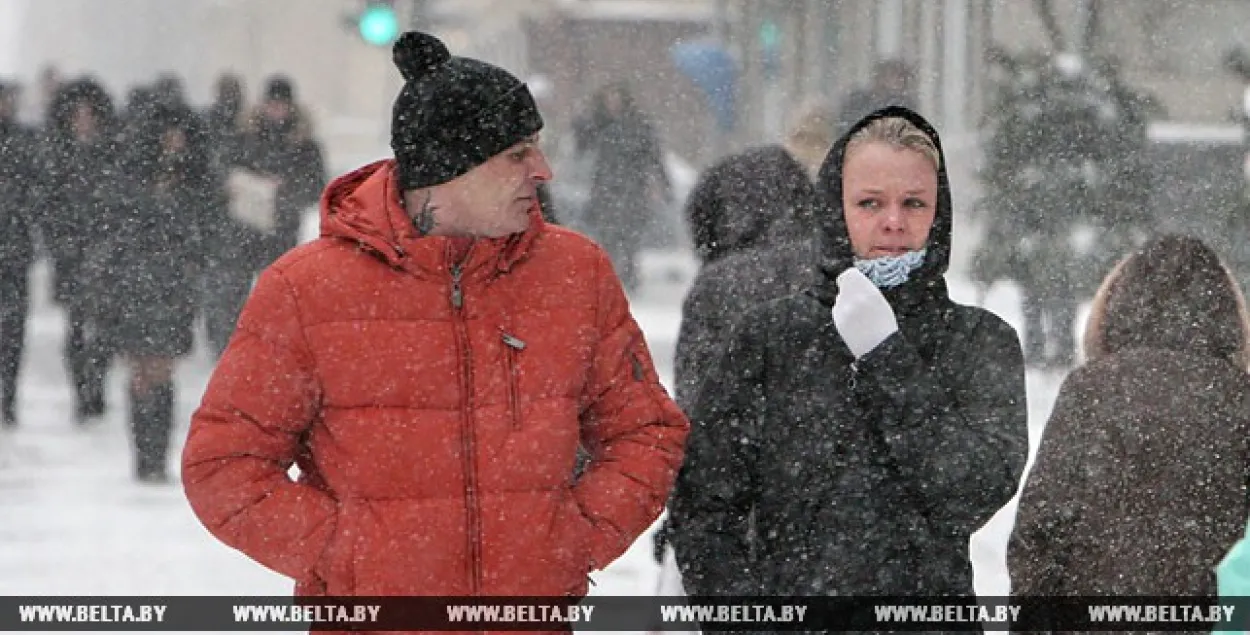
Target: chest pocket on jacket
[512,348]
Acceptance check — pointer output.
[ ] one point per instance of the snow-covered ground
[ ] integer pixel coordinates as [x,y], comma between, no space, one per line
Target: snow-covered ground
[73,522]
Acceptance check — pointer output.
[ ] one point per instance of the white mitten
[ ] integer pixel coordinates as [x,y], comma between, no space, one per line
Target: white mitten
[861,314]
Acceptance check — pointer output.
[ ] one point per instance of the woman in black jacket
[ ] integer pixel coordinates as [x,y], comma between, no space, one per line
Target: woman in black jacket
[851,439]
[150,266]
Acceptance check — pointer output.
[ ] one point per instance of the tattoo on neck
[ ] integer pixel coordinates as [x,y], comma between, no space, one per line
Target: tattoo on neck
[423,219]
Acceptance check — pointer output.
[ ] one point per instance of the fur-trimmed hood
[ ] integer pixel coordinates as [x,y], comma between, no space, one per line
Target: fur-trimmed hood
[1174,294]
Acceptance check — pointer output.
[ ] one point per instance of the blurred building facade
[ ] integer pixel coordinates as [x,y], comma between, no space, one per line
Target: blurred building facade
[787,51]
[346,84]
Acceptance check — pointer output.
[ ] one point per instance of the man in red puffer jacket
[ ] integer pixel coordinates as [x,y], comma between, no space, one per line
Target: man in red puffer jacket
[433,363]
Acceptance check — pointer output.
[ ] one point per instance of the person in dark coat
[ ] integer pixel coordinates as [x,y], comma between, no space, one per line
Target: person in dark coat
[277,143]
[629,182]
[18,173]
[752,221]
[280,144]
[864,429]
[1139,483]
[231,248]
[149,264]
[223,120]
[751,218]
[79,203]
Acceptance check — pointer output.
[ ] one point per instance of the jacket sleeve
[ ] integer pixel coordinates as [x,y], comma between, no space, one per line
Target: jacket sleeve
[246,434]
[713,502]
[634,432]
[1045,532]
[958,435]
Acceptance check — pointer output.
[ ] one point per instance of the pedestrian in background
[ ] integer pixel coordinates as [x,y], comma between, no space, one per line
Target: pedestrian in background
[1139,485]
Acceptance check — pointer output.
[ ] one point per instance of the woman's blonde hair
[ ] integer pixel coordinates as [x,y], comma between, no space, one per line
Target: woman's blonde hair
[898,133]
[1175,293]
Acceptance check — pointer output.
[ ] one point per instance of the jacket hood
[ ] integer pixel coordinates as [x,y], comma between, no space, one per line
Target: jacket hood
[81,91]
[743,212]
[365,206]
[836,253]
[1174,294]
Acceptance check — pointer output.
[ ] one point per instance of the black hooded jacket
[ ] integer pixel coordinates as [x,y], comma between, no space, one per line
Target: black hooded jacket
[751,221]
[808,473]
[19,172]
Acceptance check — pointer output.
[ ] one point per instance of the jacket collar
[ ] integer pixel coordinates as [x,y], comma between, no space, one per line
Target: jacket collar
[365,206]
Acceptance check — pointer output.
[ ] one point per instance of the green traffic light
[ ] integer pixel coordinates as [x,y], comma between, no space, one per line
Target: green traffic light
[770,35]
[379,25]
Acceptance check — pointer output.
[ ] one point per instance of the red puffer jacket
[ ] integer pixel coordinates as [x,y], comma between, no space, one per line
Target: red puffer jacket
[435,414]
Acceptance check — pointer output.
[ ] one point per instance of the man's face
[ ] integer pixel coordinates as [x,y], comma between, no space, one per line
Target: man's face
[494,198]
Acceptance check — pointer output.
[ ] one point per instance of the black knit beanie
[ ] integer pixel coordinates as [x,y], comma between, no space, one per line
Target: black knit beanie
[453,113]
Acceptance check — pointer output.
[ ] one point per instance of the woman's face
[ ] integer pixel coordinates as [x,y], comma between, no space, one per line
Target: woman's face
[889,198]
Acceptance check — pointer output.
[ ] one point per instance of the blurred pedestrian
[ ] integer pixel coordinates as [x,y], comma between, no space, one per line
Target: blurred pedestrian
[80,203]
[149,267]
[753,220]
[892,84]
[629,183]
[276,150]
[19,172]
[1139,485]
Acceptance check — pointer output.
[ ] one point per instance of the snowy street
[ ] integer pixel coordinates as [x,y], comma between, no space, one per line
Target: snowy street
[76,523]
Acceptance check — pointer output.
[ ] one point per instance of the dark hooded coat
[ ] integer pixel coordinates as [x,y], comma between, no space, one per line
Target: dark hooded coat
[19,174]
[858,478]
[149,264]
[751,221]
[1139,486]
[80,202]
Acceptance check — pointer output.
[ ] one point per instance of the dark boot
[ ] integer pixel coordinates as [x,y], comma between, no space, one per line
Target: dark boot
[12,341]
[8,408]
[88,364]
[8,402]
[151,419]
[76,361]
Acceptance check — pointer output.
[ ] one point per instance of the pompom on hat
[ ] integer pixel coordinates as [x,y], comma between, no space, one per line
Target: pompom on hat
[453,113]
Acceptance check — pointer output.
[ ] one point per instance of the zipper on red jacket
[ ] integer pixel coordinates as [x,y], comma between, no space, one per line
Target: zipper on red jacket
[473,514]
[513,345]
